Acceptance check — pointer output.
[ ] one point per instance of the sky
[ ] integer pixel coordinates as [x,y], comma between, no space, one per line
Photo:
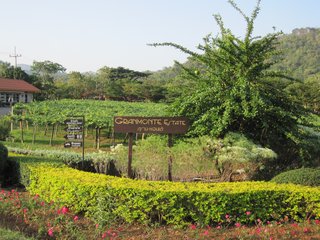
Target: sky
[86,35]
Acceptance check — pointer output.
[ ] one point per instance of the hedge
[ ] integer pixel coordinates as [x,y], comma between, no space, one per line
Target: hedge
[107,198]
[3,161]
[303,176]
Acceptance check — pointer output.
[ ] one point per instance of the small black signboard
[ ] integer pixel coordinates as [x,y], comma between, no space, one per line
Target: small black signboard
[72,144]
[73,122]
[73,128]
[73,136]
[75,133]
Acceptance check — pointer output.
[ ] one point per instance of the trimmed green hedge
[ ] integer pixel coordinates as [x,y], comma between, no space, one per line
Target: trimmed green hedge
[3,161]
[303,176]
[19,167]
[107,198]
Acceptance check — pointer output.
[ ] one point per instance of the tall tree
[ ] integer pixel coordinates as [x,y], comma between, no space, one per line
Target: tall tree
[45,73]
[235,89]
[8,71]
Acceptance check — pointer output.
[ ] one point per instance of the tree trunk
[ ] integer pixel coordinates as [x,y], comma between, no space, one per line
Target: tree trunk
[52,134]
[21,130]
[34,133]
[97,138]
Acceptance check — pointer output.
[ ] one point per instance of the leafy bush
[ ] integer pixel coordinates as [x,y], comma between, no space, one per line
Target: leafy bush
[93,162]
[303,176]
[105,198]
[204,157]
[18,171]
[238,158]
[4,128]
[3,161]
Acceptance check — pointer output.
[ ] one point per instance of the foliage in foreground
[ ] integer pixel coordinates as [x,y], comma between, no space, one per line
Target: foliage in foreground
[7,234]
[3,161]
[46,220]
[303,176]
[108,199]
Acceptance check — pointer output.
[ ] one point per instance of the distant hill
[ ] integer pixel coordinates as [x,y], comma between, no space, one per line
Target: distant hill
[26,68]
[301,56]
[301,53]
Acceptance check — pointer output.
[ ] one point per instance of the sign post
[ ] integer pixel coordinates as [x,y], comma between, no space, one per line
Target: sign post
[156,125]
[75,133]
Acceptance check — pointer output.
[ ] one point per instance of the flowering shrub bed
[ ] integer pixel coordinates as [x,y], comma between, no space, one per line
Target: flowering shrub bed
[45,220]
[107,198]
[34,217]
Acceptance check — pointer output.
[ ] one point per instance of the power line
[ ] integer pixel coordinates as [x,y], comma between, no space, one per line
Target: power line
[15,57]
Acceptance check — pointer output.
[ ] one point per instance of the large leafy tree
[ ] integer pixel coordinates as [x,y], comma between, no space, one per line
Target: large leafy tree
[235,88]
[45,73]
[8,71]
[120,83]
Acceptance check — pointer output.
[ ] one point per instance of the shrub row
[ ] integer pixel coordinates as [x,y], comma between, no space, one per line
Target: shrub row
[303,176]
[93,162]
[3,161]
[107,198]
[18,170]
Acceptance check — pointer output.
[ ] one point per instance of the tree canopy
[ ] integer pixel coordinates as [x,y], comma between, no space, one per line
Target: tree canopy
[235,90]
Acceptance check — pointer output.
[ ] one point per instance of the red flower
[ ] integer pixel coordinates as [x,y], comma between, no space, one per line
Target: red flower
[193,226]
[76,218]
[206,233]
[64,210]
[306,230]
[50,232]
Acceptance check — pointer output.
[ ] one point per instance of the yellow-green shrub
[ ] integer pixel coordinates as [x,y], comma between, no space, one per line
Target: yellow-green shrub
[106,198]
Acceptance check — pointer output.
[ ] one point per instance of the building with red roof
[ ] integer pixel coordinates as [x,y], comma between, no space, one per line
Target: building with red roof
[13,91]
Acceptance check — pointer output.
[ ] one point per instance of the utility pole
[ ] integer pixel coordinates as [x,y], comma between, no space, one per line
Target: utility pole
[15,55]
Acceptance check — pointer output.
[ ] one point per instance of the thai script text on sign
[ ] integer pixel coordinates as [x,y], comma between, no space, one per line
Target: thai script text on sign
[172,125]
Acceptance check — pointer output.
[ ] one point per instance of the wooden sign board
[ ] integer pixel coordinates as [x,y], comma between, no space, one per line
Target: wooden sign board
[157,125]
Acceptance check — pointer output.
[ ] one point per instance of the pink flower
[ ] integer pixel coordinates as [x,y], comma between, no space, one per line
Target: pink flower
[25,210]
[227,216]
[218,227]
[306,230]
[76,218]
[97,225]
[104,235]
[50,232]
[258,230]
[317,221]
[193,226]
[248,213]
[42,203]
[238,224]
[206,233]
[64,210]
